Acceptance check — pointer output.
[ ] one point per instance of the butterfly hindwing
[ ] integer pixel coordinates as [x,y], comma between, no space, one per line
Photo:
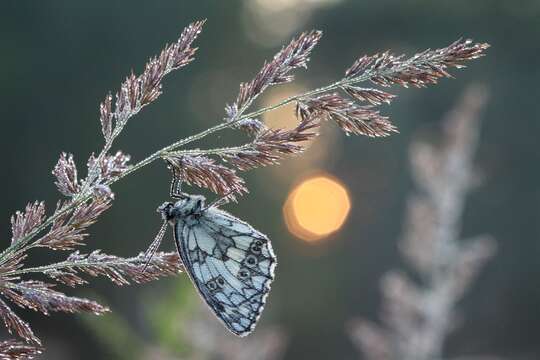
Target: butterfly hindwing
[230,263]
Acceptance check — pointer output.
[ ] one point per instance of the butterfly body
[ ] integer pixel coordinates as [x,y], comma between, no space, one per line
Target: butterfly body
[230,263]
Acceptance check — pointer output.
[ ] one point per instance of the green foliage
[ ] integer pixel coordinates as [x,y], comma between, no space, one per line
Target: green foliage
[168,314]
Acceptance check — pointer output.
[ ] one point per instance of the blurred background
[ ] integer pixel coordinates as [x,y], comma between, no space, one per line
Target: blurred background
[59,59]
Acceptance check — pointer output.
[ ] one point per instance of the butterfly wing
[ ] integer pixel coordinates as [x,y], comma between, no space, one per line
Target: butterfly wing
[230,263]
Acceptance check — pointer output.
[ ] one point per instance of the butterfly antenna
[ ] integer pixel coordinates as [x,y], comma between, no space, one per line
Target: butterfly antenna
[149,253]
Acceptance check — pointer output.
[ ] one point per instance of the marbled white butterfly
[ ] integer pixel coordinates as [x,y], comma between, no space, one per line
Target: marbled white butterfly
[230,263]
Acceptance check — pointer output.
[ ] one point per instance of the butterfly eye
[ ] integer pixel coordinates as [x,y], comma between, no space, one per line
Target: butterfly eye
[258,243]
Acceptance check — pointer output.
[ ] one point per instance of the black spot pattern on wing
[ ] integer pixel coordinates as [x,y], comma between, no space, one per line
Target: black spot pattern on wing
[230,263]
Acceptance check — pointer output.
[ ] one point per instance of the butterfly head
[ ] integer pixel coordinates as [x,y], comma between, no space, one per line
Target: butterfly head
[166,210]
[190,205]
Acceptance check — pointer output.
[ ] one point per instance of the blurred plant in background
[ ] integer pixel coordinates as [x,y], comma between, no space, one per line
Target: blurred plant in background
[418,315]
[181,327]
[354,111]
[209,341]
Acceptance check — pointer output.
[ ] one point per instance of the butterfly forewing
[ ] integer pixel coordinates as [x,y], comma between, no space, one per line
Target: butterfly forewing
[231,264]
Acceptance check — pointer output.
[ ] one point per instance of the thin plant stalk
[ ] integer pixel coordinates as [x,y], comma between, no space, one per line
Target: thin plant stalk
[185,141]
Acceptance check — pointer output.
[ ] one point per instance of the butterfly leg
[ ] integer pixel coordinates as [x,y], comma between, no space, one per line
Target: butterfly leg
[176,185]
[176,188]
[149,253]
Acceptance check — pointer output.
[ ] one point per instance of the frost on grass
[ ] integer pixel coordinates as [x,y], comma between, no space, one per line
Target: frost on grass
[353,107]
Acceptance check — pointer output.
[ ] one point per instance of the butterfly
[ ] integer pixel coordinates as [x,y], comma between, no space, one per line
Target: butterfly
[230,263]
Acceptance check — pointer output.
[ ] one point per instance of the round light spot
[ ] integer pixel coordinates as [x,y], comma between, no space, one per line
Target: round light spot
[317,207]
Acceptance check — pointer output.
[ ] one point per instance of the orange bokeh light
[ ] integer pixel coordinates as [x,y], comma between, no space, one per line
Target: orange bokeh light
[317,207]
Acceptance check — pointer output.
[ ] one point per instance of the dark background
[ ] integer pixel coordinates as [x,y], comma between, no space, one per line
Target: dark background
[59,58]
